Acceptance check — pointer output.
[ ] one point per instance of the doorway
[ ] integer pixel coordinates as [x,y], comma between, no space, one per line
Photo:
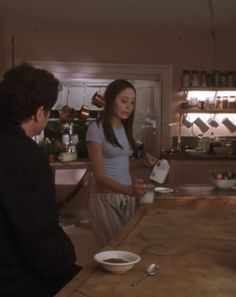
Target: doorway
[153,84]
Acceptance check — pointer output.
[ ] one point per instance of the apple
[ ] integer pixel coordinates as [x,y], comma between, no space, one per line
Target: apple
[219,176]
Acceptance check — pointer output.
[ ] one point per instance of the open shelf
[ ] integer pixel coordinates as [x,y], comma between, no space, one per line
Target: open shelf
[207,110]
[213,89]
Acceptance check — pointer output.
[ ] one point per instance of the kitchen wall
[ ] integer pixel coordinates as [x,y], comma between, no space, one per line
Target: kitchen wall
[182,48]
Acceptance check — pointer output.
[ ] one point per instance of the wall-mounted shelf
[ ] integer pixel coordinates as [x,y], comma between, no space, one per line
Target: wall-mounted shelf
[208,89]
[207,111]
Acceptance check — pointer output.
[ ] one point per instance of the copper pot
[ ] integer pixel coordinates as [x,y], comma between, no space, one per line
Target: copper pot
[84,112]
[98,100]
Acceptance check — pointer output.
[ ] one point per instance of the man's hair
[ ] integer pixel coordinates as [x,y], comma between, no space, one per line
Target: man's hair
[24,89]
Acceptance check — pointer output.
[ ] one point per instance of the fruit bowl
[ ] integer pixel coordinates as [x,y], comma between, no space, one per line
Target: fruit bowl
[223,180]
[224,184]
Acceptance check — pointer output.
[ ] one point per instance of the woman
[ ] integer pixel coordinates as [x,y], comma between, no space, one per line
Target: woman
[110,143]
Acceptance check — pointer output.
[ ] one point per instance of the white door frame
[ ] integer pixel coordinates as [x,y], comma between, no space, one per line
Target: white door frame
[162,73]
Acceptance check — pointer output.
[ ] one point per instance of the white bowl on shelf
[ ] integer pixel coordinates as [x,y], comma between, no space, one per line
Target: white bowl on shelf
[130,260]
[224,184]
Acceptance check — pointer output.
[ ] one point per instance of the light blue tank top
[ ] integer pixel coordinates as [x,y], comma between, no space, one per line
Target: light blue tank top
[116,159]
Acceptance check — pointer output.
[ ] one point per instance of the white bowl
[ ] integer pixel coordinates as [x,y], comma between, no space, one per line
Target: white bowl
[130,258]
[224,184]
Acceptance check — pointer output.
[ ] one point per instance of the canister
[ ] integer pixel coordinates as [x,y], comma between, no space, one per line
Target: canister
[229,125]
[201,125]
[185,79]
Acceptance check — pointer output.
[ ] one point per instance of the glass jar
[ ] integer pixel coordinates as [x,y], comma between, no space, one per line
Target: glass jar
[203,79]
[225,102]
[195,81]
[216,78]
[222,80]
[229,79]
[232,103]
[186,78]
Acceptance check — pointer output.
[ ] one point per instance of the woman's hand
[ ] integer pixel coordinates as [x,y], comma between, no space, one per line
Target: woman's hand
[138,188]
[149,160]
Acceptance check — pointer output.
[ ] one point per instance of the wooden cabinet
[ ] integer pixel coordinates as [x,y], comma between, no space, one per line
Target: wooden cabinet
[196,171]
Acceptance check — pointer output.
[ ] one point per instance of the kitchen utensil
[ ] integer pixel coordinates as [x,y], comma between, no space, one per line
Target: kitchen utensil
[186,122]
[229,125]
[201,125]
[98,100]
[213,122]
[84,112]
[150,271]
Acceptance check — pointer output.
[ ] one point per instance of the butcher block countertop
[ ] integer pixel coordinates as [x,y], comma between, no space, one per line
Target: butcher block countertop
[191,238]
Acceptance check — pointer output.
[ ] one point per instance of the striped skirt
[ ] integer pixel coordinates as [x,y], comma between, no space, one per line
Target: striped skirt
[110,212]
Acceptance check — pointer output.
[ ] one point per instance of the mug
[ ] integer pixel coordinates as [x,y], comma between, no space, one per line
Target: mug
[148,196]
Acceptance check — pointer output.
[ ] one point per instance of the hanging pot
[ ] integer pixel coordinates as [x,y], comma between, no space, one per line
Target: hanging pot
[84,112]
[98,100]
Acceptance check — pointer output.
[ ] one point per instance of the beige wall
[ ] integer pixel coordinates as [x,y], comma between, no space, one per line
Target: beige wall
[183,48]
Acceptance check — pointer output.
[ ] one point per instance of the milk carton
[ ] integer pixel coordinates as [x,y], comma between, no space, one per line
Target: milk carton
[160,171]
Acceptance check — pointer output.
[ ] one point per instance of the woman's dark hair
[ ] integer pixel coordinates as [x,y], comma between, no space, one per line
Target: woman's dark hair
[112,91]
[24,89]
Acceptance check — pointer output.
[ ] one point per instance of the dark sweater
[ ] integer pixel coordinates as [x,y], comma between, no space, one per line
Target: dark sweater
[36,256]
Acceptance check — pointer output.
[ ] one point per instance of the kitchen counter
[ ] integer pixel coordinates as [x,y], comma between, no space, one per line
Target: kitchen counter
[80,163]
[196,170]
[69,178]
[191,238]
[196,156]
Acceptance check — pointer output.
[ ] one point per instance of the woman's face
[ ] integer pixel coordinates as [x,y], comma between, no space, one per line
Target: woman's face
[124,104]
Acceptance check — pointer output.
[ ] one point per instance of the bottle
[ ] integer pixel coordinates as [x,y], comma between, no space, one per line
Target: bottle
[211,145]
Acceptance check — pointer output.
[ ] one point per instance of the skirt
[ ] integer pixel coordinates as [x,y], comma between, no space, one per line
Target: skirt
[109,213]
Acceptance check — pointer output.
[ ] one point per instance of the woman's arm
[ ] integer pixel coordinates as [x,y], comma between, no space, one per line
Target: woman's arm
[96,158]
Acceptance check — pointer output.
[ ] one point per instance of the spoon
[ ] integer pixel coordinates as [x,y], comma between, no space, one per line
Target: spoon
[150,271]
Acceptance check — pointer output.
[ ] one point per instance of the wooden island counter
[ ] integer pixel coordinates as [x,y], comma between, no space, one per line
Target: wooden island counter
[192,237]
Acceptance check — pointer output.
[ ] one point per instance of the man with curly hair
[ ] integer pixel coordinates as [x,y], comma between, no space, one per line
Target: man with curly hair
[36,256]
